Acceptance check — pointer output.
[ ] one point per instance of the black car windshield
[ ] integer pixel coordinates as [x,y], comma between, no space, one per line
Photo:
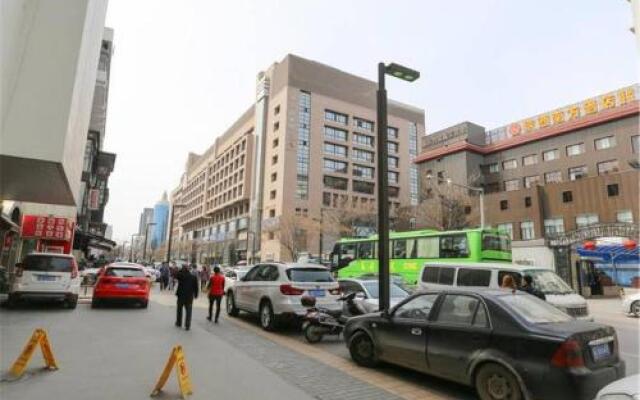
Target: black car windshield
[533,310]
[309,275]
[548,282]
[372,288]
[47,264]
[125,272]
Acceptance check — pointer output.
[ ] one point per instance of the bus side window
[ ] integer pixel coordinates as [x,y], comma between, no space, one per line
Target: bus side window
[365,250]
[454,246]
[427,247]
[400,248]
[411,248]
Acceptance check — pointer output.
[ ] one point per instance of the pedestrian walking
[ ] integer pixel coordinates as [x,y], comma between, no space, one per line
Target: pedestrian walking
[173,273]
[527,286]
[186,292]
[508,283]
[204,277]
[216,291]
[164,276]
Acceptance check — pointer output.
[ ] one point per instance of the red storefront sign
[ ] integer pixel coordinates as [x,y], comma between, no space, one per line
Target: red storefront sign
[49,228]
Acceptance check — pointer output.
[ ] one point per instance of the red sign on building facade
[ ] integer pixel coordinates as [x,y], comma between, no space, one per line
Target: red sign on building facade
[49,228]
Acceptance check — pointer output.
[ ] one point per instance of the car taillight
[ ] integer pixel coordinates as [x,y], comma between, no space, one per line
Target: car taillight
[289,290]
[568,355]
[335,291]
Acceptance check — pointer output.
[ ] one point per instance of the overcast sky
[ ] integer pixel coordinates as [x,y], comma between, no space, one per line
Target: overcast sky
[183,71]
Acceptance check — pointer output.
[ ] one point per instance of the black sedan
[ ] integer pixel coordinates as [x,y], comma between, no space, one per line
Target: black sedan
[508,345]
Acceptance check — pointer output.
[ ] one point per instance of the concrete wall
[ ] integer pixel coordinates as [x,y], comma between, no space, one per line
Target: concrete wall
[50,52]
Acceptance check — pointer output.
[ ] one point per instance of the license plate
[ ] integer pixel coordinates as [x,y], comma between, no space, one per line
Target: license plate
[600,351]
[317,293]
[46,278]
[122,285]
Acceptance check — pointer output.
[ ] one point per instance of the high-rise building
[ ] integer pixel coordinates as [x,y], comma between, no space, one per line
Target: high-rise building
[45,115]
[554,180]
[306,148]
[160,219]
[146,217]
[90,236]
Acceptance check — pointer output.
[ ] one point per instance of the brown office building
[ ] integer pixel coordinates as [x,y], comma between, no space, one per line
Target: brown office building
[306,147]
[554,181]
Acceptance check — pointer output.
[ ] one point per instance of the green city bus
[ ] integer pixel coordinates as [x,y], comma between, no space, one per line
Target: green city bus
[354,257]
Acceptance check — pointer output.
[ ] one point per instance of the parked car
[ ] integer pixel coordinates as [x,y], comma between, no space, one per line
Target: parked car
[122,282]
[368,289]
[624,389]
[507,345]
[273,290]
[631,304]
[46,276]
[447,275]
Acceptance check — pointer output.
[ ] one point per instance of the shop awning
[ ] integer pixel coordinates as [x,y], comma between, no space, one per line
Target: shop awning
[609,253]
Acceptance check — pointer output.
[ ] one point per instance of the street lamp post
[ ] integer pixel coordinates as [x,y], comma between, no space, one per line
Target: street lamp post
[409,75]
[253,241]
[479,190]
[146,234]
[173,209]
[132,245]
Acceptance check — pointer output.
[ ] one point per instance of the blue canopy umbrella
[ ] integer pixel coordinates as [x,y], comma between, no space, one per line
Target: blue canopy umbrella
[611,253]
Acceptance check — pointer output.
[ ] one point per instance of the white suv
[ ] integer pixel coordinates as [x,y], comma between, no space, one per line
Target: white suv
[273,290]
[46,276]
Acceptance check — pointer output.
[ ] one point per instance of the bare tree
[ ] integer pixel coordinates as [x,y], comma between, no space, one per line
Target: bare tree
[347,219]
[292,231]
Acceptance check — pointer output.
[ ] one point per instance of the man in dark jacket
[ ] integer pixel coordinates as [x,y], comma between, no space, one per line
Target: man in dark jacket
[186,292]
[527,286]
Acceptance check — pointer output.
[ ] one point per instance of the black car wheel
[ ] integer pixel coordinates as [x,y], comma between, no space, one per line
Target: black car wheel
[71,303]
[267,318]
[232,310]
[313,333]
[495,382]
[362,350]
[635,308]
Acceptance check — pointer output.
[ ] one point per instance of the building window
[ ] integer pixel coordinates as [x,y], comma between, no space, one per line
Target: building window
[392,176]
[506,228]
[272,213]
[530,181]
[392,162]
[335,166]
[504,204]
[362,171]
[584,220]
[624,216]
[271,235]
[276,141]
[326,199]
[527,231]
[531,159]
[392,133]
[363,187]
[276,110]
[413,169]
[576,173]
[567,196]
[607,167]
[272,194]
[527,201]
[363,124]
[493,168]
[335,183]
[276,126]
[363,140]
[394,191]
[635,144]
[274,160]
[605,143]
[335,150]
[336,117]
[511,185]
[274,176]
[575,149]
[550,155]
[509,164]
[362,155]
[335,134]
[392,147]
[553,177]
[302,161]
[613,190]
[553,226]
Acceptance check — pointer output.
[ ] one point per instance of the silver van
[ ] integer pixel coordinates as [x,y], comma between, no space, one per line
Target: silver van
[445,275]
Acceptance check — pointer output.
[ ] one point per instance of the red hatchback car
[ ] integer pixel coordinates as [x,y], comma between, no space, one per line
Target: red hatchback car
[122,282]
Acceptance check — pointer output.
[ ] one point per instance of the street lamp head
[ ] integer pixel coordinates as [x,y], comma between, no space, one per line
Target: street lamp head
[401,72]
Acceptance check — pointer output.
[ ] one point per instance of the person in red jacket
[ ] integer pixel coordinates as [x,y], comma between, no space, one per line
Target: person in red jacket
[216,291]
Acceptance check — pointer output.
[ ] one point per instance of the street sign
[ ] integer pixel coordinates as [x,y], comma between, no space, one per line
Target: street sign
[176,358]
[39,337]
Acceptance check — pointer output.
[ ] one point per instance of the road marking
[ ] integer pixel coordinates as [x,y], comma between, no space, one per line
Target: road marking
[395,386]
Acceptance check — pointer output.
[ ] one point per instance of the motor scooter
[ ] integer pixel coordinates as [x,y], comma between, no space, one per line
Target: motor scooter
[319,321]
